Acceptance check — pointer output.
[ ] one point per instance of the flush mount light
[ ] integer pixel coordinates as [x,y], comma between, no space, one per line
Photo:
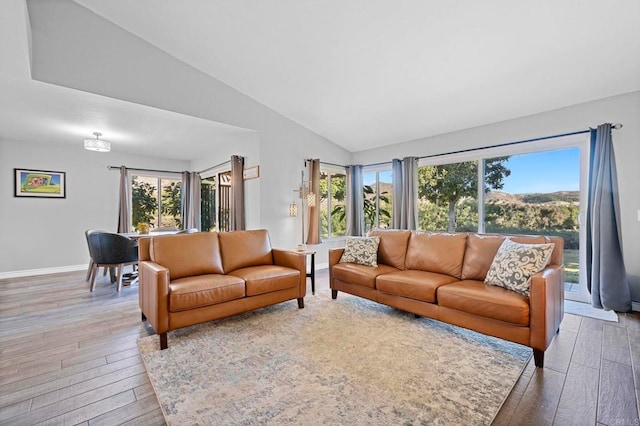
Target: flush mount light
[97,144]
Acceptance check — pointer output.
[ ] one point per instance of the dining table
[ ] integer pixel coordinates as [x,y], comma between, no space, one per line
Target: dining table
[137,235]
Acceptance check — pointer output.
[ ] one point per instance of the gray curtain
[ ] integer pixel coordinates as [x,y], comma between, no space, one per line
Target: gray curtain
[237,219]
[190,200]
[404,213]
[313,235]
[354,201]
[606,276]
[124,210]
[396,179]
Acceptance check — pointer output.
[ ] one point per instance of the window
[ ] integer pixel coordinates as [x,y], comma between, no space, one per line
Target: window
[378,189]
[333,184]
[156,200]
[448,197]
[524,189]
[215,201]
[208,209]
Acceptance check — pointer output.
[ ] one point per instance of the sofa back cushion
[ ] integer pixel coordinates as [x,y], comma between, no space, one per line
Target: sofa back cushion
[481,249]
[392,249]
[187,255]
[241,249]
[436,252]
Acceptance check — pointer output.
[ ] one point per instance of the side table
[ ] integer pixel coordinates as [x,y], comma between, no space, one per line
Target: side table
[312,272]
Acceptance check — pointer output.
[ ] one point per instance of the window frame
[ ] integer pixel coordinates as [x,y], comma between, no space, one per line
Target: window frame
[331,170]
[377,169]
[158,176]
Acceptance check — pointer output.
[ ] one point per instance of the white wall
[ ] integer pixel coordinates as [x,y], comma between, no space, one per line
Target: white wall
[43,233]
[623,109]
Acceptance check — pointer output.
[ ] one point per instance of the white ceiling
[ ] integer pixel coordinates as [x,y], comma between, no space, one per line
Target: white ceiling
[362,73]
[366,73]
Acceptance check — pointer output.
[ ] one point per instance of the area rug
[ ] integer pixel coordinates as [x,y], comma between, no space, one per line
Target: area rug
[586,310]
[348,361]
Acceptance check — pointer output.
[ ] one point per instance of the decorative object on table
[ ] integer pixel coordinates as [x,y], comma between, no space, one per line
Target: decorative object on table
[334,363]
[97,144]
[143,228]
[251,172]
[39,183]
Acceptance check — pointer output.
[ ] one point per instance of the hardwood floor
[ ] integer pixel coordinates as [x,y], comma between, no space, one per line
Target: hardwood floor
[68,356]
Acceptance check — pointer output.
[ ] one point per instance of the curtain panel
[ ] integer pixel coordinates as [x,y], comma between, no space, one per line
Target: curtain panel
[606,275]
[190,200]
[313,235]
[124,209]
[354,201]
[237,219]
[404,210]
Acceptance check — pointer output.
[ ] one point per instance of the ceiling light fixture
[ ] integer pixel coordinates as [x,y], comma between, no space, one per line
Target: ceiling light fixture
[97,144]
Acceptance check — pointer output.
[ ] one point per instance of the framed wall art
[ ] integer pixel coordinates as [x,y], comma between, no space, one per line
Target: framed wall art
[39,183]
[251,172]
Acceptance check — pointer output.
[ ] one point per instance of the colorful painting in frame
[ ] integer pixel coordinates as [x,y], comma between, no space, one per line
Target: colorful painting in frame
[39,183]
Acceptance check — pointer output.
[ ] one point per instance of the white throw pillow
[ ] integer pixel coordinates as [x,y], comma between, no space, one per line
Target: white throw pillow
[361,250]
[515,264]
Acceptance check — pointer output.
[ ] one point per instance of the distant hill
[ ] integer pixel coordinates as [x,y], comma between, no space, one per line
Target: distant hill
[551,198]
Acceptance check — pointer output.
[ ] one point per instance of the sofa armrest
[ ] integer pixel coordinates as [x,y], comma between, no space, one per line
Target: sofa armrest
[153,294]
[334,257]
[294,260]
[546,304]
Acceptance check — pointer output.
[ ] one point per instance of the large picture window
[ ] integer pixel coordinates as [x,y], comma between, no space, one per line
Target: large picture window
[528,189]
[156,200]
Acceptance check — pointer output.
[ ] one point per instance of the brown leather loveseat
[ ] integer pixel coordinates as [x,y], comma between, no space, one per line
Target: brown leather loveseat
[441,276]
[187,279]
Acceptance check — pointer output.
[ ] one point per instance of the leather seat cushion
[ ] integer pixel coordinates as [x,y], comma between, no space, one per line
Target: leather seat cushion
[204,290]
[419,285]
[267,278]
[475,297]
[360,274]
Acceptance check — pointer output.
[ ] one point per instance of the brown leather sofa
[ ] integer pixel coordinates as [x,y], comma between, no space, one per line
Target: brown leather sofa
[187,279]
[441,276]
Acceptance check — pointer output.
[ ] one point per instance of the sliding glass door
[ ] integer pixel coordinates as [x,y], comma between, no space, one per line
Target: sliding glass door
[533,188]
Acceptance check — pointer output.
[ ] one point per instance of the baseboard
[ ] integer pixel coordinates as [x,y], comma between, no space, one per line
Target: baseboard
[43,271]
[320,266]
[635,306]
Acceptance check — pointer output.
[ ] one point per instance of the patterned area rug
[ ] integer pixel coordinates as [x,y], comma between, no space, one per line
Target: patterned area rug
[337,362]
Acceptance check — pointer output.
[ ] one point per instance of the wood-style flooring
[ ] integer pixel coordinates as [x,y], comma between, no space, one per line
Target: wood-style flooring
[68,356]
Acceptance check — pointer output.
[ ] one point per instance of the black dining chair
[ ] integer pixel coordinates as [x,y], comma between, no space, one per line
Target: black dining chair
[90,268]
[111,251]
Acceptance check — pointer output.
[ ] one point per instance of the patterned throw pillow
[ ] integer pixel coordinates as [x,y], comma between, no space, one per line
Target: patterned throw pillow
[515,264]
[361,250]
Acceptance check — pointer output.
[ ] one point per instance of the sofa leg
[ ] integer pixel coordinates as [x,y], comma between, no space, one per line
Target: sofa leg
[538,358]
[144,317]
[163,341]
[300,302]
[334,294]
[416,315]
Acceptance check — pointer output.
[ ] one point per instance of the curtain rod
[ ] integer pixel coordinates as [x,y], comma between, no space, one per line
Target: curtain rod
[579,132]
[215,167]
[143,170]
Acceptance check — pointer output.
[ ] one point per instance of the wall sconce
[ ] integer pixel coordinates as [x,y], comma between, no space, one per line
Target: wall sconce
[293,209]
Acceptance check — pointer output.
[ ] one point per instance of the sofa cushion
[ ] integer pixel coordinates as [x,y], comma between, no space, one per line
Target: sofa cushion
[187,254]
[267,278]
[478,298]
[392,250]
[360,274]
[516,263]
[361,250]
[419,285]
[241,249]
[203,290]
[441,253]
[481,249]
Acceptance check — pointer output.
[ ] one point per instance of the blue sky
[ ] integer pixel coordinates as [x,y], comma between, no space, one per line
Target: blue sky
[543,172]
[548,171]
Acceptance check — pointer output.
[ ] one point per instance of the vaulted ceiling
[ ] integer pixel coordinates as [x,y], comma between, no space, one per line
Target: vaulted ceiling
[368,73]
